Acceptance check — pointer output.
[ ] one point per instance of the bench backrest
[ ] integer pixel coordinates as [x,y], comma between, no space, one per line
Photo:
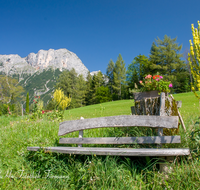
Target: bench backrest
[118,121]
[159,122]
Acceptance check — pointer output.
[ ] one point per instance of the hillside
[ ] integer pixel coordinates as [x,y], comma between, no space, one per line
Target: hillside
[41,83]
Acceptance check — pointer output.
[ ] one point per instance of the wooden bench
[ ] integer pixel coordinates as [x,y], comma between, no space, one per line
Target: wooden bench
[158,122]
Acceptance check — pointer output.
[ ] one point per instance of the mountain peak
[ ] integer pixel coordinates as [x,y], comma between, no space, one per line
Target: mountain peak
[60,58]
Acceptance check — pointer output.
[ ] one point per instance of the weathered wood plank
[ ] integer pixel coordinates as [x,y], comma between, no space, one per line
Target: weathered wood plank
[122,140]
[140,95]
[161,113]
[117,151]
[118,121]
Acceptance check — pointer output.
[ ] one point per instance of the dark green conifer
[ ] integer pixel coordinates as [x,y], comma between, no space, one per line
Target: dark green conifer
[27,102]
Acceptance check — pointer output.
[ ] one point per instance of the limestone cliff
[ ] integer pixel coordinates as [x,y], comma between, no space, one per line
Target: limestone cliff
[61,58]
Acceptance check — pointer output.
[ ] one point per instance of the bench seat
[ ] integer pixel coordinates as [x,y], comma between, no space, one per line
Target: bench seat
[116,151]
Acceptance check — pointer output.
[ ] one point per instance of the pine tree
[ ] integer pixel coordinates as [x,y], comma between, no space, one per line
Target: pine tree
[27,102]
[73,86]
[103,94]
[81,91]
[88,95]
[166,60]
[97,82]
[110,74]
[119,76]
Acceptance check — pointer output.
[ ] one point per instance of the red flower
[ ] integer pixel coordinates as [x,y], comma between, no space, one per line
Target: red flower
[34,100]
[42,111]
[39,97]
[156,76]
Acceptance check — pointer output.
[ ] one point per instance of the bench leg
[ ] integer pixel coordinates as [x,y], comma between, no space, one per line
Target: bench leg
[80,136]
[166,167]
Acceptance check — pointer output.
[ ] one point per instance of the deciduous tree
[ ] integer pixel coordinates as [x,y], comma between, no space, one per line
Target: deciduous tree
[61,101]
[137,70]
[10,90]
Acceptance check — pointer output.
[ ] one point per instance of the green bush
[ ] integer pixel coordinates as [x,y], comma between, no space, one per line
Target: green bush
[4,109]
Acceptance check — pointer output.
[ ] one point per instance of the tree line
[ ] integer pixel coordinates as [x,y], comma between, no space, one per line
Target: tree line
[164,59]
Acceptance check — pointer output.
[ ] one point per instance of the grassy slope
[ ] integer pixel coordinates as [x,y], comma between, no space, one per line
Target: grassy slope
[101,110]
[88,172]
[190,110]
[190,104]
[190,107]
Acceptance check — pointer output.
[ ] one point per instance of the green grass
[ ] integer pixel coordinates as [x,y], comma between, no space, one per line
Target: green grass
[190,104]
[20,169]
[101,110]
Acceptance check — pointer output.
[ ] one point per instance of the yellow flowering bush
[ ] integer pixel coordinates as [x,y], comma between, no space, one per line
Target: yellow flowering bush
[61,100]
[194,57]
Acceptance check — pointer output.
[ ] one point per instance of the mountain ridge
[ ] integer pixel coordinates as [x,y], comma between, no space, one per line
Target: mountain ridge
[43,59]
[38,72]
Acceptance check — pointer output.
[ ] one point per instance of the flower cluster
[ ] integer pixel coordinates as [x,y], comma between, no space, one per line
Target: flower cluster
[9,111]
[155,82]
[36,99]
[194,58]
[61,100]
[38,104]
[37,108]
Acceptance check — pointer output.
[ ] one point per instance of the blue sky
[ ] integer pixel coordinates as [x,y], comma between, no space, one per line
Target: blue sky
[95,30]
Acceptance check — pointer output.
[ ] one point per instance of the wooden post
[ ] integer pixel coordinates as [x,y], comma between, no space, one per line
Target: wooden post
[180,118]
[22,109]
[133,110]
[80,135]
[160,130]
[164,167]
[162,111]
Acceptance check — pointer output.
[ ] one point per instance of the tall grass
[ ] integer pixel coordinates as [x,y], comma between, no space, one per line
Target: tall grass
[21,169]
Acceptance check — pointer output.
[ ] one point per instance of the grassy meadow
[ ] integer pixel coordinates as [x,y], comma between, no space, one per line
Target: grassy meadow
[20,169]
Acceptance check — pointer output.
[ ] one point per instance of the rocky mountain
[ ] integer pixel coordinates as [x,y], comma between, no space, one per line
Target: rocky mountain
[38,73]
[94,72]
[44,59]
